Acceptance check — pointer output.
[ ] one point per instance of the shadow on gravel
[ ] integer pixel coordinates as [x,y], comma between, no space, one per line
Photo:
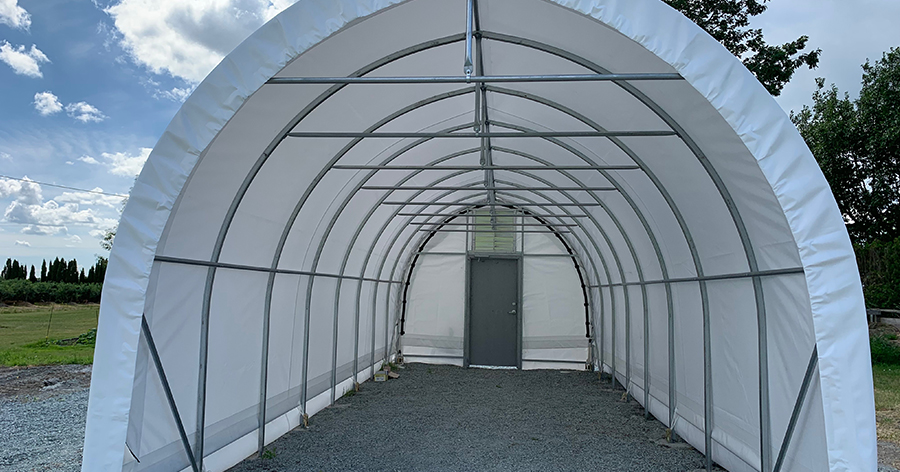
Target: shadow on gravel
[449,418]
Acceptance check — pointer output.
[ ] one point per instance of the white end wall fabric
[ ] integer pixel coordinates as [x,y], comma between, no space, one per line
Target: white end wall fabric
[224,186]
[552,310]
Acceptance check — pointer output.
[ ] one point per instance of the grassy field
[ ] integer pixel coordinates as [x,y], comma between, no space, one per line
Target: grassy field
[887,401]
[26,340]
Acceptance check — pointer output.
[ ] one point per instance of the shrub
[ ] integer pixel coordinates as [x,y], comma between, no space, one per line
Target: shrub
[884,351]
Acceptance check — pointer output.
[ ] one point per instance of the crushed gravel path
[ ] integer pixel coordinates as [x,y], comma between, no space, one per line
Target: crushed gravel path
[448,418]
[42,414]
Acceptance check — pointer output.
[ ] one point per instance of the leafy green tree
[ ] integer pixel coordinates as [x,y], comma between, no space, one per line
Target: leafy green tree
[830,128]
[879,267]
[857,144]
[44,271]
[32,277]
[108,238]
[729,22]
[878,109]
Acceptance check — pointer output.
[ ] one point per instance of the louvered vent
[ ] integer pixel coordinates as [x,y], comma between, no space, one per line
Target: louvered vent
[501,238]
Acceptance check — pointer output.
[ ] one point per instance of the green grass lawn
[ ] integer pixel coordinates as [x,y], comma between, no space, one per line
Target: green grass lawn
[24,334]
[887,401]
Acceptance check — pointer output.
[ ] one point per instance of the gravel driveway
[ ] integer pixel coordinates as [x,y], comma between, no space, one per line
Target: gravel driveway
[42,413]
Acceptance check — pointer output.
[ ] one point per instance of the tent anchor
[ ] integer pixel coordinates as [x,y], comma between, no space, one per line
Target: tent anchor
[305,420]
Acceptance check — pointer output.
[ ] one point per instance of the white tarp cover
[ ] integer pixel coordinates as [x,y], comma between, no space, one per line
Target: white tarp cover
[229,218]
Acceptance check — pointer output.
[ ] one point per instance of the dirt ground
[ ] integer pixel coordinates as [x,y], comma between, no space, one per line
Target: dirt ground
[41,382]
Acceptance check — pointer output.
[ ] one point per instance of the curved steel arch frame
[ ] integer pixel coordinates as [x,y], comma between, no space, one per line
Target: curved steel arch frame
[637,264]
[318,253]
[400,231]
[511,205]
[402,228]
[765,430]
[359,229]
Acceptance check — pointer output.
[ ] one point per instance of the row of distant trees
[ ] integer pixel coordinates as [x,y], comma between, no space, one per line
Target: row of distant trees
[60,281]
[59,270]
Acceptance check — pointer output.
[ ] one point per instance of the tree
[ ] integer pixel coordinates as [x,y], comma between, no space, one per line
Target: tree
[44,271]
[14,270]
[72,272]
[100,269]
[32,277]
[830,130]
[729,22]
[857,144]
[878,109]
[108,238]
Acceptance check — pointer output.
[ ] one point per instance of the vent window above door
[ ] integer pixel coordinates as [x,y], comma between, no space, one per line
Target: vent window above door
[502,237]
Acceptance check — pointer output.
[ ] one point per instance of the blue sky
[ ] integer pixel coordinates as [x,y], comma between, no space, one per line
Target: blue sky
[88,86]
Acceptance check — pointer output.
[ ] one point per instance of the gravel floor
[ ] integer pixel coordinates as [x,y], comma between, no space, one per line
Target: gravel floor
[431,418]
[43,435]
[448,418]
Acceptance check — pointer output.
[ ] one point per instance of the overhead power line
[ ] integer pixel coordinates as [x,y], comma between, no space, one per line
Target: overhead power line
[65,187]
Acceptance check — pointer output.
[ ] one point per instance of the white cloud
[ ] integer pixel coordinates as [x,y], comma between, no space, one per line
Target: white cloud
[46,103]
[75,238]
[176,94]
[41,230]
[84,112]
[13,15]
[23,243]
[52,217]
[27,192]
[88,198]
[70,163]
[188,39]
[88,160]
[124,164]
[5,156]
[23,61]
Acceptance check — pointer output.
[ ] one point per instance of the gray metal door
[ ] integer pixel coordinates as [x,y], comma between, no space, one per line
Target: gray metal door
[493,311]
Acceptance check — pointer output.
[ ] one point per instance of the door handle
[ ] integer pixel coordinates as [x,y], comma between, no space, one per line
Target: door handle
[512,312]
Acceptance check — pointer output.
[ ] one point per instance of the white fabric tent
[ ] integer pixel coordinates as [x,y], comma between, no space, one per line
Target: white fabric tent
[253,280]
